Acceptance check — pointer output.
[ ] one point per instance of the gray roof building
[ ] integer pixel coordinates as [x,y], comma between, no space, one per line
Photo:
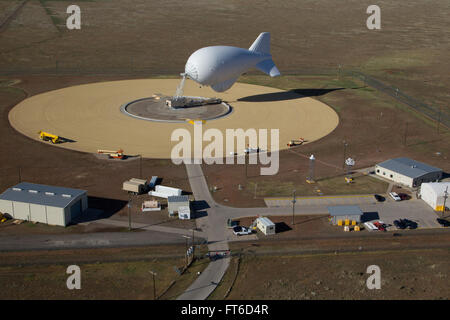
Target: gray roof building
[408,167]
[343,213]
[408,172]
[42,194]
[44,204]
[178,198]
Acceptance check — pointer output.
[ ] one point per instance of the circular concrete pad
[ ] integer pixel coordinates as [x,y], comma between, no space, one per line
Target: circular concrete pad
[89,115]
[155,109]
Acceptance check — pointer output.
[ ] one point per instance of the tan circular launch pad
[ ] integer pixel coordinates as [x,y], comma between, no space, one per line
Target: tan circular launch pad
[89,116]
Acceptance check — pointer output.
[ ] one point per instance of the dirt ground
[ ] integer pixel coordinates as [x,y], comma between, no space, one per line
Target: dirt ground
[24,159]
[413,266]
[404,275]
[90,116]
[373,126]
[105,273]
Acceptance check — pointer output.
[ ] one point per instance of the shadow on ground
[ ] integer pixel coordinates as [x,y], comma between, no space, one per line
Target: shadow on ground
[369,216]
[100,208]
[288,95]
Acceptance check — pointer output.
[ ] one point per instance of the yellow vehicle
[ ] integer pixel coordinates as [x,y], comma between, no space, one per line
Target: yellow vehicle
[49,137]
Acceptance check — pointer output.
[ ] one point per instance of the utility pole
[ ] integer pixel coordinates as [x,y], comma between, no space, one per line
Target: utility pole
[154,284]
[445,201]
[293,207]
[439,119]
[20,174]
[140,166]
[129,211]
[406,132]
[246,163]
[193,244]
[345,154]
[186,253]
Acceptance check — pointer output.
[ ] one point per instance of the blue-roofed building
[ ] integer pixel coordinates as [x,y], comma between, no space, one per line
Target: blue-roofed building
[41,203]
[408,172]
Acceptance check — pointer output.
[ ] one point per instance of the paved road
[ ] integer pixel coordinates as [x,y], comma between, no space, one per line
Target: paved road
[212,221]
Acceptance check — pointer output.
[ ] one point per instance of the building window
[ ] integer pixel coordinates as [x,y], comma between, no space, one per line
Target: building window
[378,170]
[384,173]
[391,176]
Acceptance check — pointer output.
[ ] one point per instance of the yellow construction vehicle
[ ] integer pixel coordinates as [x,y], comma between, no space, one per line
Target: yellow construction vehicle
[45,136]
[112,154]
[193,121]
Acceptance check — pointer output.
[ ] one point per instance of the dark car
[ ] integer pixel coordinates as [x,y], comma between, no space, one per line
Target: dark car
[405,224]
[399,224]
[404,196]
[443,222]
[410,224]
[379,198]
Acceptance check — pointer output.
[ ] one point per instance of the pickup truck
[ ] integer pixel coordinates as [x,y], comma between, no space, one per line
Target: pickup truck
[241,231]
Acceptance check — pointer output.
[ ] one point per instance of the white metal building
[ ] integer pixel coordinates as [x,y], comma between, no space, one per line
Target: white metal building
[42,203]
[408,172]
[265,225]
[434,194]
[174,203]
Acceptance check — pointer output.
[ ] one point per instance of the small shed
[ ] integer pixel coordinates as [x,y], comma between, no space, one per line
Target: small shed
[184,213]
[175,202]
[345,214]
[265,225]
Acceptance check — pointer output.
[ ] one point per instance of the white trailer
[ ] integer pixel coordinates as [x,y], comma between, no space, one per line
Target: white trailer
[265,225]
[165,192]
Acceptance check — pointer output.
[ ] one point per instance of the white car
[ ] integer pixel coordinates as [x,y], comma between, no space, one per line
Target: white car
[395,196]
[370,226]
[241,231]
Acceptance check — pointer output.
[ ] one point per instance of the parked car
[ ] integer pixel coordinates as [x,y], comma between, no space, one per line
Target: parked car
[241,231]
[395,196]
[404,196]
[443,222]
[370,226]
[380,225]
[400,224]
[379,198]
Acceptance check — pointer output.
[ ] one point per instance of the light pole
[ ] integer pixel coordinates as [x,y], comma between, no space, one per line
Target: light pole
[293,207]
[193,244]
[129,211]
[186,253]
[140,166]
[154,284]
[345,153]
[445,201]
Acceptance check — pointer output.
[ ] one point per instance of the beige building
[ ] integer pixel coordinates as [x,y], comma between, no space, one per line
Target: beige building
[44,204]
[408,172]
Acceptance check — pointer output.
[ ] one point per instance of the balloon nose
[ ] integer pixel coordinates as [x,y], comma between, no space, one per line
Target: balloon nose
[191,70]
